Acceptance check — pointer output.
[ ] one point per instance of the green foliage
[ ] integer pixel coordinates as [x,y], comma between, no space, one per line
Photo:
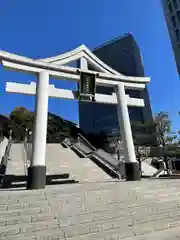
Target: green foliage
[144,134]
[21,121]
[163,128]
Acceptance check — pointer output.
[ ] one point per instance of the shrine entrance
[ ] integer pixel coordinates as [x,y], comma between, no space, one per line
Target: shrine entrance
[88,80]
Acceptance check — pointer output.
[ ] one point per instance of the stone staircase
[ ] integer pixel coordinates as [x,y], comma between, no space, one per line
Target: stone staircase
[16,171]
[16,163]
[63,166]
[144,210]
[147,169]
[64,160]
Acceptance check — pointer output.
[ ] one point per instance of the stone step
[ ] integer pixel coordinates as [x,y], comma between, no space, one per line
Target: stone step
[16,165]
[116,187]
[83,206]
[88,207]
[166,234]
[84,203]
[101,213]
[67,194]
[21,229]
[80,169]
[124,226]
[80,190]
[90,211]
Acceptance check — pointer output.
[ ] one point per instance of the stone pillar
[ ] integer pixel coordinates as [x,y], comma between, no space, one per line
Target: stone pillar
[131,164]
[37,169]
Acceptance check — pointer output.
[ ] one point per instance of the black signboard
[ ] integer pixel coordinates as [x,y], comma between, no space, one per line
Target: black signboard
[87,86]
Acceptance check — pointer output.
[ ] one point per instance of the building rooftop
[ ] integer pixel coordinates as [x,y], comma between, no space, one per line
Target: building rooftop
[114,40]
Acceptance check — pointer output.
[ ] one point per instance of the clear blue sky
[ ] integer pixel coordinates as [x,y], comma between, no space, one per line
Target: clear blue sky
[41,28]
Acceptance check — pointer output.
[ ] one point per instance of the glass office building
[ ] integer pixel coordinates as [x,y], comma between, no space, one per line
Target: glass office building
[171,9]
[123,55]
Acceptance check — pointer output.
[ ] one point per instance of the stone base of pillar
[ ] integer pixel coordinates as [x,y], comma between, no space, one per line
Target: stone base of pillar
[36,177]
[132,171]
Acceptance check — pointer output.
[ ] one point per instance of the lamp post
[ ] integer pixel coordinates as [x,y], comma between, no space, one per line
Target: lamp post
[10,134]
[26,135]
[30,136]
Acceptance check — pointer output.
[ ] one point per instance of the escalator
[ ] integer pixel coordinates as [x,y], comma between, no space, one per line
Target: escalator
[112,166]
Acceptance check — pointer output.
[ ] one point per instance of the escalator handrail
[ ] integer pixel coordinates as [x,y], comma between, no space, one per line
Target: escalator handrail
[98,158]
[86,141]
[94,149]
[92,156]
[112,165]
[105,160]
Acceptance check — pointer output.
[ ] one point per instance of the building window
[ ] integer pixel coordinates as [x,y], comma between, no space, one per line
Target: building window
[174,21]
[170,7]
[177,35]
[175,4]
[178,15]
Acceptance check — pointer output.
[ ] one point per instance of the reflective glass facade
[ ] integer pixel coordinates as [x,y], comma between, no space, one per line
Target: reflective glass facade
[123,55]
[171,10]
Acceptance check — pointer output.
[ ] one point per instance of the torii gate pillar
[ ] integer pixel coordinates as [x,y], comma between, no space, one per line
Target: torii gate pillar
[37,169]
[131,164]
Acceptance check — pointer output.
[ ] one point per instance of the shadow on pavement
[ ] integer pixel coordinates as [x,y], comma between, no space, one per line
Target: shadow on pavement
[20,181]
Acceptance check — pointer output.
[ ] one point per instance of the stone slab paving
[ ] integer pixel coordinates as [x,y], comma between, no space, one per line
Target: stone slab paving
[149,209]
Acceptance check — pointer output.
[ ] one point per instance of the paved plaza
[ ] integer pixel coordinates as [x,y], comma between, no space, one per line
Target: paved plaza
[149,209]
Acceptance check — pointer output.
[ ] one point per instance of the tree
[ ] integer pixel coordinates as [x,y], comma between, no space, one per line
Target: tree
[163,132]
[144,134]
[163,129]
[20,120]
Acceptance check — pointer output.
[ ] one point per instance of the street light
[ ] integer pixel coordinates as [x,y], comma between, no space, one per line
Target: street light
[26,134]
[10,134]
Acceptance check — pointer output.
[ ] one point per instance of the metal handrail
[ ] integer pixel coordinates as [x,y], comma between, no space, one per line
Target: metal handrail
[86,141]
[4,163]
[27,157]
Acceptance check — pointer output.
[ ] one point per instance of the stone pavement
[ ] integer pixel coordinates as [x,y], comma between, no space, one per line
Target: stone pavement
[144,210]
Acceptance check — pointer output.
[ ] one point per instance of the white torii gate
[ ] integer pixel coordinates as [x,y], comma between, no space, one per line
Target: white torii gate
[54,67]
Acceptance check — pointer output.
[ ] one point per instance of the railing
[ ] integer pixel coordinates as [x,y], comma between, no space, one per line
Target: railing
[3,145]
[4,163]
[86,141]
[27,157]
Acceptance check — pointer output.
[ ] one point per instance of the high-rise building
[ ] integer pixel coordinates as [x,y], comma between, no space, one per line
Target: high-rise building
[171,10]
[123,55]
